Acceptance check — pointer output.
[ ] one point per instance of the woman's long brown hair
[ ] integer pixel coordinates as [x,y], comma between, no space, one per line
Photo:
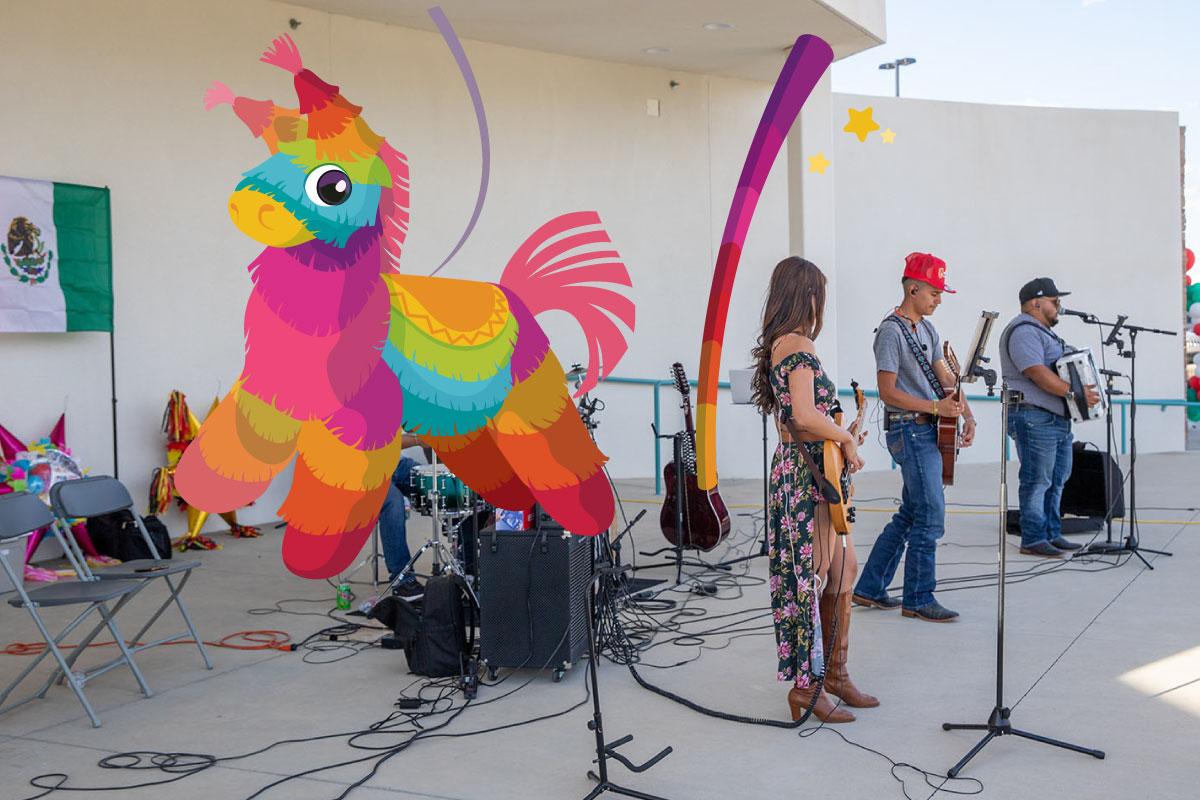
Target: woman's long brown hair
[795,304]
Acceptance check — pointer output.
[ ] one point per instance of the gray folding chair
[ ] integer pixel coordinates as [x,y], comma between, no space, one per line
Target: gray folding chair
[91,497]
[21,515]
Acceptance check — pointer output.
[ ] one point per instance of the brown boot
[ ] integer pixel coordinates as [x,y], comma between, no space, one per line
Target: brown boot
[835,611]
[800,699]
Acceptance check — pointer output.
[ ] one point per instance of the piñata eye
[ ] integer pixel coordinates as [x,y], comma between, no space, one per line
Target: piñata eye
[327,185]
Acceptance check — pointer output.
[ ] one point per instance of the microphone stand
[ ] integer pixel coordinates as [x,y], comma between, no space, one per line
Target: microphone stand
[1107,546]
[1132,538]
[998,723]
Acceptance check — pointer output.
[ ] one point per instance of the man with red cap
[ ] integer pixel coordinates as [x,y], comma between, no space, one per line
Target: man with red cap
[912,375]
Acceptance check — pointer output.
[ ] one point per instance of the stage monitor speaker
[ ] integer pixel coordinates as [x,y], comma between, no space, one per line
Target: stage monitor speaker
[1084,494]
[533,597]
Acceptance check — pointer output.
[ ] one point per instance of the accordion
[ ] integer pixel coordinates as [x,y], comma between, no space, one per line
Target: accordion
[1078,369]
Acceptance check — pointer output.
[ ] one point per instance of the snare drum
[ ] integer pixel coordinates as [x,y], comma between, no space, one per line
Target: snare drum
[452,493]
[1079,370]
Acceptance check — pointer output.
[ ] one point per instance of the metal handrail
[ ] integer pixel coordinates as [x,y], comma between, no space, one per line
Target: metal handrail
[1122,402]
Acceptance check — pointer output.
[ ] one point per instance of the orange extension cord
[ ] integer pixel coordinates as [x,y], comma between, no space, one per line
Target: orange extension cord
[242,640]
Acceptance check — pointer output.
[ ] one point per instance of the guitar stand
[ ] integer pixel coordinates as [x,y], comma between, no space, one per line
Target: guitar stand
[607,750]
[680,527]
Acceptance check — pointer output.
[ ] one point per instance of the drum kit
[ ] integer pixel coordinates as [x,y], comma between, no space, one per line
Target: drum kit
[439,494]
[442,496]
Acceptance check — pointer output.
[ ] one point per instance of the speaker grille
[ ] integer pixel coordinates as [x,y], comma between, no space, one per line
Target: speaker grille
[533,597]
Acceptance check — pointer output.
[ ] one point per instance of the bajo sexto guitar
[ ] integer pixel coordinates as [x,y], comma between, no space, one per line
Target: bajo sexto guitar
[949,434]
[705,517]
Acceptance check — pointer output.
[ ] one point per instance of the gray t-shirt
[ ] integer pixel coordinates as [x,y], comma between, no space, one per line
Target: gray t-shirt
[1029,345]
[892,354]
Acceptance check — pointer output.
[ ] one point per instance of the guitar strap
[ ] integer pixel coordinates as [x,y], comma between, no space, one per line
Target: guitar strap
[828,490]
[919,355]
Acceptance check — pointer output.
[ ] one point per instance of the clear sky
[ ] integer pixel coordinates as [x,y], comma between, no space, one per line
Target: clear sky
[1122,54]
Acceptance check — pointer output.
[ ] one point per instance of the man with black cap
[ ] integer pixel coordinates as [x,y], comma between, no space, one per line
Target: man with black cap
[1040,424]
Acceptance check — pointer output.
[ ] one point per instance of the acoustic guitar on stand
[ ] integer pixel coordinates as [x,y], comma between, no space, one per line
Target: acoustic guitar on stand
[949,433]
[705,517]
[841,513]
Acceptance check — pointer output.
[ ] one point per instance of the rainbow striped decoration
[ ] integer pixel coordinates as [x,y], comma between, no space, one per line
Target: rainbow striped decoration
[807,62]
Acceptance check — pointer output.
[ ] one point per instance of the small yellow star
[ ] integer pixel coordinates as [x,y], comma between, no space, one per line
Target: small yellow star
[888,136]
[861,124]
[818,163]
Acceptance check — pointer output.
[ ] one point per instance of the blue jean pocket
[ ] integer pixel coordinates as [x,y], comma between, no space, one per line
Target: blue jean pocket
[895,444]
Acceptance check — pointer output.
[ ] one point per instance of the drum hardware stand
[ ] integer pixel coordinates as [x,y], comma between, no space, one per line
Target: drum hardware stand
[1132,538]
[998,723]
[444,559]
[606,577]
[373,560]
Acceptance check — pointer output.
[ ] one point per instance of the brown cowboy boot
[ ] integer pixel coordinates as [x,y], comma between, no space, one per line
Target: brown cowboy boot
[824,710]
[835,611]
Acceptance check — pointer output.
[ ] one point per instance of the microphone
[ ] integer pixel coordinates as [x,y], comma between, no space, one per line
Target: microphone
[1110,373]
[1083,315]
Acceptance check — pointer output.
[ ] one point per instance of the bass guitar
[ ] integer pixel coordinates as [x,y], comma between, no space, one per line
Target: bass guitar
[949,433]
[705,517]
[841,513]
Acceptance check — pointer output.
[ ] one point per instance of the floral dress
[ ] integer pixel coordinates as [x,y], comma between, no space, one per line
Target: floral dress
[791,515]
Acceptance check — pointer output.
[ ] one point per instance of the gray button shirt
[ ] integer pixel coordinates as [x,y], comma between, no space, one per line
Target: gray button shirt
[1026,345]
[892,354]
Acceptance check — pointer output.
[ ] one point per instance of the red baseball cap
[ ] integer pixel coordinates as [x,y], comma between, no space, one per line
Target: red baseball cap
[927,268]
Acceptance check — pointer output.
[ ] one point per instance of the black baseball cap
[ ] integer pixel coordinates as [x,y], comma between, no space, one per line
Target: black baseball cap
[1040,287]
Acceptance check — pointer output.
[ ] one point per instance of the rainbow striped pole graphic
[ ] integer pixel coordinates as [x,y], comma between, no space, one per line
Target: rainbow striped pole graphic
[805,65]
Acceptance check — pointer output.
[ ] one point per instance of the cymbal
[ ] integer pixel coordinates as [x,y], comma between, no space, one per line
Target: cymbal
[576,372]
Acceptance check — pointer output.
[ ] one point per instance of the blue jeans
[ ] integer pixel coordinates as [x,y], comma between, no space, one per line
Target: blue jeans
[393,525]
[1044,447]
[919,523]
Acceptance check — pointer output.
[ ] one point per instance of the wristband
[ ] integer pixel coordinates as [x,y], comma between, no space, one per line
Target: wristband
[934,402]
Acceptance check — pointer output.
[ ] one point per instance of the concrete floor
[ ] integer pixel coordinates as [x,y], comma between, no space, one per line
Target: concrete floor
[1109,658]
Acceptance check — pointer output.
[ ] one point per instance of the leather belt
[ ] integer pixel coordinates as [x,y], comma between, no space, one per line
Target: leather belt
[893,417]
[1027,406]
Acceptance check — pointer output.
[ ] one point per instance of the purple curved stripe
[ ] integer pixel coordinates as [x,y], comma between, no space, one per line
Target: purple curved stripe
[485,144]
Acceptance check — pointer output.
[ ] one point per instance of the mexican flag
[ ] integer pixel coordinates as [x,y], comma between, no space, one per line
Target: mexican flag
[55,257]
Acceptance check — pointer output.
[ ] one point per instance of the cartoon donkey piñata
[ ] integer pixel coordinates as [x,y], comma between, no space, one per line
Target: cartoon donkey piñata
[343,351]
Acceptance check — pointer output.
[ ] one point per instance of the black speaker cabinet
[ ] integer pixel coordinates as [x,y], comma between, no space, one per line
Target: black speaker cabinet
[1084,493]
[533,597]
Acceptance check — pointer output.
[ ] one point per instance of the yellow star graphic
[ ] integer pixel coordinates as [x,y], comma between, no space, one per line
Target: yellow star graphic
[818,163]
[888,136]
[861,124]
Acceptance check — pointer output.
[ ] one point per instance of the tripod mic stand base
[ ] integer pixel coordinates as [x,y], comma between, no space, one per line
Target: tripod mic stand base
[1116,548]
[998,725]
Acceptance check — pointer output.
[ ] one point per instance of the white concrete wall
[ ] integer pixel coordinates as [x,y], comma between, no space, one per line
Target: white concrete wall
[110,94]
[1005,194]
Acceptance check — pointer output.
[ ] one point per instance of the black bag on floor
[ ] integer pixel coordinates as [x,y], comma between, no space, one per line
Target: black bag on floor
[117,535]
[435,634]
